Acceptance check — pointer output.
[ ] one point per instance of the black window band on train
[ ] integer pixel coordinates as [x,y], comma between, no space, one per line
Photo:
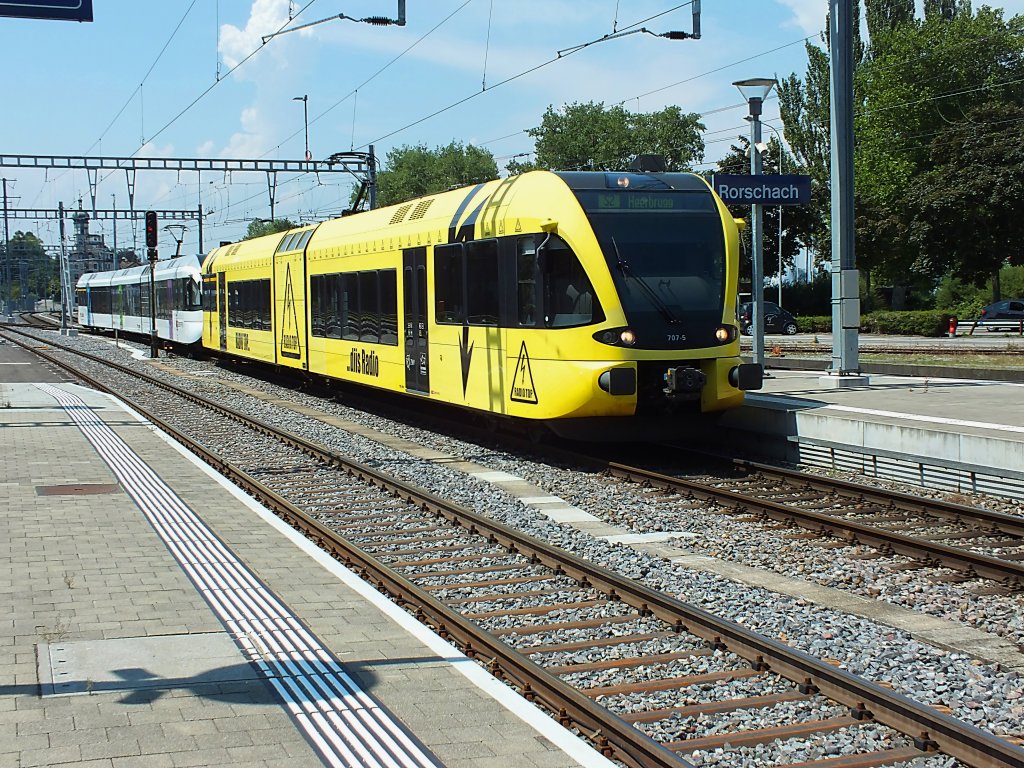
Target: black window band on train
[126,299]
[357,306]
[525,281]
[249,304]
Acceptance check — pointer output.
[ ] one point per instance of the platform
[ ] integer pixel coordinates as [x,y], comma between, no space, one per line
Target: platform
[159,617]
[954,434]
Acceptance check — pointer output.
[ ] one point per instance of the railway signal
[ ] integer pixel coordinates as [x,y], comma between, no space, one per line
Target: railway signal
[151,231]
[151,240]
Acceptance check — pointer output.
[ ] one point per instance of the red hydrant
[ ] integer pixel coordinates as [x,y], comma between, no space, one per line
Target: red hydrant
[952,327]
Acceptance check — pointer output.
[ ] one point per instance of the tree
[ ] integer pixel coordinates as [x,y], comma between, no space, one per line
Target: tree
[417,171]
[921,79]
[260,227]
[967,208]
[33,272]
[589,137]
[915,76]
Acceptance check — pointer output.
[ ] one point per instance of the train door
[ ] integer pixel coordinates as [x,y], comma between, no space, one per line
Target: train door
[222,309]
[289,290]
[145,302]
[414,288]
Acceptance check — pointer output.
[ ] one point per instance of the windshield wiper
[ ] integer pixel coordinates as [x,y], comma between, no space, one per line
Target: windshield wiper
[652,295]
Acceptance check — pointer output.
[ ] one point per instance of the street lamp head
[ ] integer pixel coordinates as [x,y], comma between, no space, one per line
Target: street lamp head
[756,87]
[300,98]
[755,90]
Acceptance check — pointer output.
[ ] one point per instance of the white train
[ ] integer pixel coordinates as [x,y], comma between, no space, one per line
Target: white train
[120,300]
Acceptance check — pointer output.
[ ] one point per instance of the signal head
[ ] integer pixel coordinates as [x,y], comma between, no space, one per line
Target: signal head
[151,231]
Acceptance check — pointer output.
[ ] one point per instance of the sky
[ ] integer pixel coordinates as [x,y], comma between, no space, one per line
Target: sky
[194,79]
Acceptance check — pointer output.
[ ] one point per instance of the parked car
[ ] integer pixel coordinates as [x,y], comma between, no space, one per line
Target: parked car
[776,319]
[1011,310]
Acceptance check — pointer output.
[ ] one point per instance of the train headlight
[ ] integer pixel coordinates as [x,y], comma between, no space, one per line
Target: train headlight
[622,181]
[616,337]
[725,333]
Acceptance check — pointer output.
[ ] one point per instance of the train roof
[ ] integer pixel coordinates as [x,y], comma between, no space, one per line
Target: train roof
[632,180]
[167,269]
[445,216]
[265,246]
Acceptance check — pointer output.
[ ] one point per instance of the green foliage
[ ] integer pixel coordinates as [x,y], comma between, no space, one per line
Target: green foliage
[814,298]
[921,323]
[928,322]
[29,260]
[965,299]
[417,171]
[972,239]
[814,323]
[937,100]
[260,227]
[589,137]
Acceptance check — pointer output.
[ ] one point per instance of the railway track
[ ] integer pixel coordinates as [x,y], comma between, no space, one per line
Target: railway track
[649,679]
[972,542]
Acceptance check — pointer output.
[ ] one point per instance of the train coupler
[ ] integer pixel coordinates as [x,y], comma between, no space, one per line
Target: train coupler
[684,382]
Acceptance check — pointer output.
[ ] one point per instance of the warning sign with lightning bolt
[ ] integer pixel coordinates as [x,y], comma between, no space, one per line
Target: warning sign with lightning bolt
[523,390]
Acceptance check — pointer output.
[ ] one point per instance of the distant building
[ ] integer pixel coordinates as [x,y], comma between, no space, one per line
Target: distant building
[89,253]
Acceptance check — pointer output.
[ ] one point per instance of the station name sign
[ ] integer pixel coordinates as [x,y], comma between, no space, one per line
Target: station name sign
[71,10]
[775,189]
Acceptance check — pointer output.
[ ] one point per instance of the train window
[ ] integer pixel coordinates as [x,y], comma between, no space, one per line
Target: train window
[262,320]
[192,295]
[568,294]
[448,283]
[304,239]
[349,296]
[316,305]
[286,243]
[482,282]
[135,300]
[369,307]
[526,281]
[357,306]
[388,307]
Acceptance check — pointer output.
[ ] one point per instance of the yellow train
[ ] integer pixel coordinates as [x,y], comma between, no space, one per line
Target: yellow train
[573,300]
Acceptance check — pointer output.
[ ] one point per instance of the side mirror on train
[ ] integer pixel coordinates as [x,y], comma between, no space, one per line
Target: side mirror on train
[549,226]
[741,224]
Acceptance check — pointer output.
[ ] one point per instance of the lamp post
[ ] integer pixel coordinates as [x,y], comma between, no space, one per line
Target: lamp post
[755,90]
[782,157]
[305,120]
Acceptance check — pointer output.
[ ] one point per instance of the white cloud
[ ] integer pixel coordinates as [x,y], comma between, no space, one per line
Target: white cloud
[255,136]
[149,149]
[808,15]
[265,17]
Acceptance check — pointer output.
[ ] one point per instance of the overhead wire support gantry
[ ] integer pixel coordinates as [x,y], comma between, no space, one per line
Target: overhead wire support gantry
[359,164]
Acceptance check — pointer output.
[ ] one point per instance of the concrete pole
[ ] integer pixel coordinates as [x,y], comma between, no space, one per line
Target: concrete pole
[7,259]
[117,261]
[756,246]
[845,284]
[65,307]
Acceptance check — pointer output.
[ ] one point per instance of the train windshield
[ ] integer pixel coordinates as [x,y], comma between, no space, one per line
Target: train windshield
[666,253]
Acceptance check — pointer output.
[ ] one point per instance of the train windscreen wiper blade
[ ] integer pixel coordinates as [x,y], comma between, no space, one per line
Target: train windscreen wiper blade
[651,294]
